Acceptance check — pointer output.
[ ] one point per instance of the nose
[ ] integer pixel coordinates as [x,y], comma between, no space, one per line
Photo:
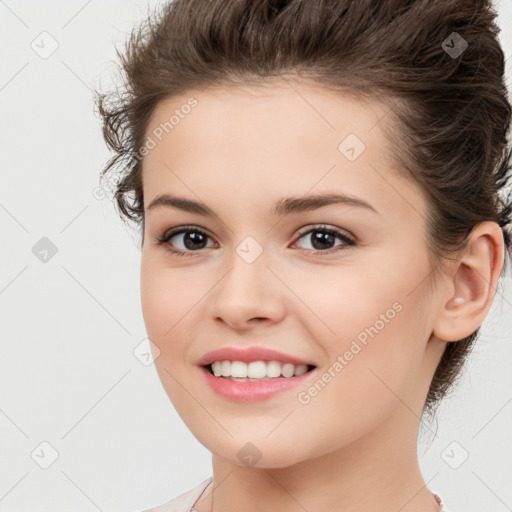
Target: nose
[248,295]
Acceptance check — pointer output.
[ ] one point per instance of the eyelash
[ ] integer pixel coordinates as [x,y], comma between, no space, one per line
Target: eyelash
[165,237]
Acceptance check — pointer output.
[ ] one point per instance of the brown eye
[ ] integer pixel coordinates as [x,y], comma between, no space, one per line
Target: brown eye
[323,239]
[189,240]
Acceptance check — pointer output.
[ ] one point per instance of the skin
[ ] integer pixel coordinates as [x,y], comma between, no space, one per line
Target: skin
[353,446]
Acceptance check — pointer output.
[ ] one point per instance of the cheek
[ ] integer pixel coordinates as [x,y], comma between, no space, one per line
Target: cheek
[165,300]
[363,383]
[166,296]
[156,304]
[373,332]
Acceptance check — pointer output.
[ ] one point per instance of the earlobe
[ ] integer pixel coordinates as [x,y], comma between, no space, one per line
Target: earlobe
[472,284]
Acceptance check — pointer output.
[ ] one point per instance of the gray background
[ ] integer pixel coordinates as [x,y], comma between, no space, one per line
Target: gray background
[68,373]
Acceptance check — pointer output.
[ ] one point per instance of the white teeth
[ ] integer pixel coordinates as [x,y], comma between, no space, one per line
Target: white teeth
[238,369]
[256,369]
[225,368]
[287,370]
[273,369]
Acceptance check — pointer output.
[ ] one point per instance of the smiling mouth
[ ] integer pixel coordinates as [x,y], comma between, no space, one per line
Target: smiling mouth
[209,367]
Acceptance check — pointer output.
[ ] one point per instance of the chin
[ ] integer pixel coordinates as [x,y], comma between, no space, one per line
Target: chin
[256,453]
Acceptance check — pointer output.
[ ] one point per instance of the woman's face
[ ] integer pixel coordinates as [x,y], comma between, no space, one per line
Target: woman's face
[362,312]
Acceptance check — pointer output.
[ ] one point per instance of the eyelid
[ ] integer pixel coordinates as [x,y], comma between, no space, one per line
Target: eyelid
[326,227]
[348,239]
[178,230]
[306,229]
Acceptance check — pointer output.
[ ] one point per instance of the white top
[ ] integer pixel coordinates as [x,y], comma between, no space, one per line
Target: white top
[185,501]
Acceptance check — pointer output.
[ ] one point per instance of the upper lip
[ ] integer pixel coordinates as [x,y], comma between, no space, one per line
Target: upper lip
[249,354]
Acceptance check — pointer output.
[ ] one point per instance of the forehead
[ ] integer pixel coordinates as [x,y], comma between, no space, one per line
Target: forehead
[293,111]
[290,137]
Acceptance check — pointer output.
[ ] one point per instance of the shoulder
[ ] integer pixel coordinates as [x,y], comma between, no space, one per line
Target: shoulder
[441,503]
[183,502]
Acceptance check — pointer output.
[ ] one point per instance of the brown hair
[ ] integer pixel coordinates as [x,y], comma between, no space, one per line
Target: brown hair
[450,109]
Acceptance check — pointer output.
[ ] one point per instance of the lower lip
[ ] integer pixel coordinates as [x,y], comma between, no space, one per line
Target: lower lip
[247,391]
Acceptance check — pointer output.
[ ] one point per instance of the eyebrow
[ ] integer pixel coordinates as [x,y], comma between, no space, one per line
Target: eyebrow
[282,207]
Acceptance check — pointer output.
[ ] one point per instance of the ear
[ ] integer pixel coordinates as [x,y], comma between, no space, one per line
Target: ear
[472,284]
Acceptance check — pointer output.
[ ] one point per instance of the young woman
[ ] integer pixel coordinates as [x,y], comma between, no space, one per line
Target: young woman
[320,191]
